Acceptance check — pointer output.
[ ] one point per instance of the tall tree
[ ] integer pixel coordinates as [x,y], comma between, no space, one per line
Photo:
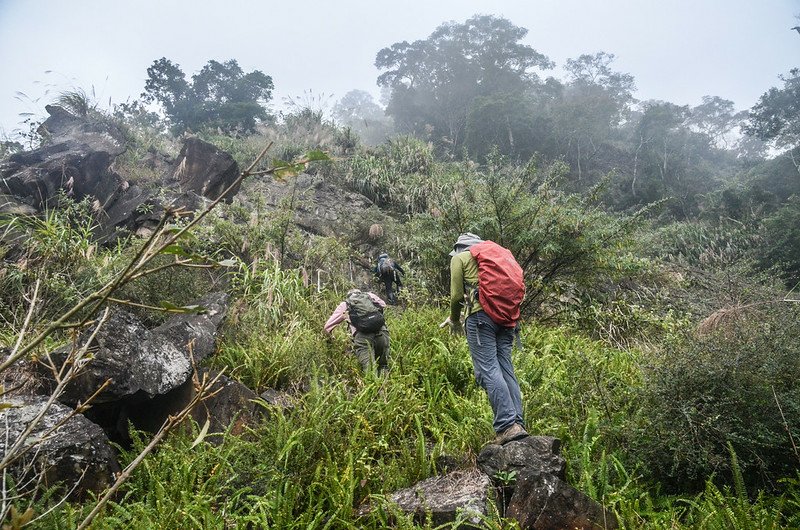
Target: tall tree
[716,118]
[435,81]
[593,102]
[357,109]
[220,95]
[776,116]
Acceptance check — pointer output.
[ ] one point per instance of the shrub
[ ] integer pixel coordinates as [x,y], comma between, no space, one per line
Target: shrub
[736,386]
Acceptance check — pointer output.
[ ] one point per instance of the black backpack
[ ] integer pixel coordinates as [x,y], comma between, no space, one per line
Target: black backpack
[365,315]
[386,267]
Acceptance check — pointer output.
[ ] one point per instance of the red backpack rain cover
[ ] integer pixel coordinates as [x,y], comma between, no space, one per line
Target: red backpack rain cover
[501,287]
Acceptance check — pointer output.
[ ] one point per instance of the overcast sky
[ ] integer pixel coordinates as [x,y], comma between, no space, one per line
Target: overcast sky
[677,50]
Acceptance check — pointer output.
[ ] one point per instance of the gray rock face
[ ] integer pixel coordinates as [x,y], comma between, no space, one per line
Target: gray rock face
[535,489]
[142,362]
[149,369]
[534,452]
[205,170]
[457,496]
[542,501]
[77,454]
[78,160]
[233,406]
[278,400]
[321,208]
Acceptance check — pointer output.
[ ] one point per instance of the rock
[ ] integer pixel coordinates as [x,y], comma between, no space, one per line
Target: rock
[205,170]
[10,205]
[233,406]
[77,454]
[138,362]
[78,160]
[321,208]
[534,482]
[278,400]
[141,362]
[538,453]
[149,370]
[457,496]
[542,501]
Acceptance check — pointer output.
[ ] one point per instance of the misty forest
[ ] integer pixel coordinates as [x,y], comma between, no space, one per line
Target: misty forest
[168,265]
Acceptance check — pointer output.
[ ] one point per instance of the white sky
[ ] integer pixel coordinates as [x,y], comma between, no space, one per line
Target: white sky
[677,50]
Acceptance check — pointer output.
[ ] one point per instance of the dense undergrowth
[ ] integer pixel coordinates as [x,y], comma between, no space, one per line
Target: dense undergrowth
[661,356]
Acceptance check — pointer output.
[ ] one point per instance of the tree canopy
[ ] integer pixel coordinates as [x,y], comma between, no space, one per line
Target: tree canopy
[435,82]
[776,116]
[220,95]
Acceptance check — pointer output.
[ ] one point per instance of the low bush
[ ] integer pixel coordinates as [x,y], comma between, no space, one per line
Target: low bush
[737,385]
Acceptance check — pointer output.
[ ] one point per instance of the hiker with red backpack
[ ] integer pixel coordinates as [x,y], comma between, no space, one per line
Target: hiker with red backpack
[363,312]
[486,284]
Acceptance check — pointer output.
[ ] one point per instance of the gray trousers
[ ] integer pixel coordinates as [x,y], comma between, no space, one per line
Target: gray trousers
[372,349]
[490,348]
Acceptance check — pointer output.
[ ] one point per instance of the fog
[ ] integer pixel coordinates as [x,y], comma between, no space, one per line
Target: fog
[677,50]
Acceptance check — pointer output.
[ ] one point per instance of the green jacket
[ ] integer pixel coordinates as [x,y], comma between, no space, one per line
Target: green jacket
[463,270]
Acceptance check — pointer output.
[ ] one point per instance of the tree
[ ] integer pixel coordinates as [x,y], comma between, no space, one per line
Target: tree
[716,118]
[591,105]
[358,110]
[435,81]
[220,95]
[776,116]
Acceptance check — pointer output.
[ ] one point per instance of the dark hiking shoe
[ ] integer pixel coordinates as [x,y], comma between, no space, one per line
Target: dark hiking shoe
[515,432]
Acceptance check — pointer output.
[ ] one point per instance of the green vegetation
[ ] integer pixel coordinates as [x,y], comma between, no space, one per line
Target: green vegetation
[657,250]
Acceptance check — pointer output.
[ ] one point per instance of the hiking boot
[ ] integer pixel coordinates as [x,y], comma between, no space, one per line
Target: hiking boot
[515,432]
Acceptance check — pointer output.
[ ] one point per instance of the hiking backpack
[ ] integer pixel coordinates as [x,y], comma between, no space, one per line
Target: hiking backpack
[365,315]
[501,287]
[386,267]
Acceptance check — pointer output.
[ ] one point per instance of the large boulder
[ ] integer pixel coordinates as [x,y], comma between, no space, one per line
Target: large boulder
[78,159]
[76,454]
[530,476]
[204,169]
[540,453]
[148,369]
[143,362]
[459,496]
[542,501]
[231,406]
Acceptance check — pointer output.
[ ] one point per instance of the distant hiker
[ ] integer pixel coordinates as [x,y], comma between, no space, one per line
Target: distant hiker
[490,339]
[363,312]
[390,272]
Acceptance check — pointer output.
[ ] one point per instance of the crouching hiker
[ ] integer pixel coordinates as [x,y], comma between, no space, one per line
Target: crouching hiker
[390,273]
[363,312]
[486,283]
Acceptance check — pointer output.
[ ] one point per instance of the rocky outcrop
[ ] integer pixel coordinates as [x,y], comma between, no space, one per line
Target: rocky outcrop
[459,496]
[78,160]
[147,369]
[530,476]
[526,478]
[320,207]
[232,406]
[542,501]
[534,452]
[275,399]
[141,361]
[204,170]
[76,454]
